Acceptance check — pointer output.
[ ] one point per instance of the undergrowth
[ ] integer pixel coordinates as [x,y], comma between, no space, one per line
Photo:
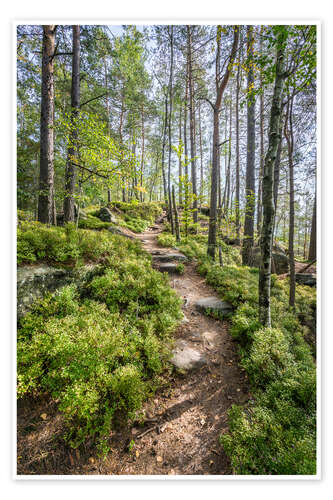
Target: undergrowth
[276,432]
[101,353]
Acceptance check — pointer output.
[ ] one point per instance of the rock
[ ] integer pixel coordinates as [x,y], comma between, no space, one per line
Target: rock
[281,260]
[213,304]
[34,282]
[306,279]
[186,358]
[185,320]
[117,230]
[168,267]
[106,215]
[169,257]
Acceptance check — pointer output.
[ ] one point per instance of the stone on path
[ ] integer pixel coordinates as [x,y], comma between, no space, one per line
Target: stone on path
[168,267]
[169,257]
[213,304]
[186,358]
[306,279]
[117,230]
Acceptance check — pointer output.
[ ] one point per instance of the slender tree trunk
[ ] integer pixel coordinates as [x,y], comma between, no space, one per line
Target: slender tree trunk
[142,151]
[267,192]
[277,172]
[176,214]
[262,160]
[192,125]
[46,159]
[72,155]
[201,159]
[250,161]
[288,133]
[165,127]
[169,129]
[180,165]
[313,235]
[237,194]
[220,88]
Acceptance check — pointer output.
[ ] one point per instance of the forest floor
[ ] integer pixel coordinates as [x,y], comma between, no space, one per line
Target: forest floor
[184,420]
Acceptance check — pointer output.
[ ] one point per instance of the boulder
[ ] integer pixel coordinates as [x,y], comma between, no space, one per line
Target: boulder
[168,267]
[281,261]
[213,304]
[169,257]
[117,230]
[34,282]
[186,358]
[106,215]
[306,279]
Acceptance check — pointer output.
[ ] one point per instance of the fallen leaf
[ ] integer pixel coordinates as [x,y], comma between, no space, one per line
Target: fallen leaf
[216,417]
[92,460]
[137,454]
[44,416]
[159,459]
[238,390]
[211,462]
[202,421]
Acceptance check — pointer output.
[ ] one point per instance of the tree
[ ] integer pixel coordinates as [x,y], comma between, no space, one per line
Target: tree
[46,201]
[73,154]
[250,158]
[267,193]
[313,236]
[220,83]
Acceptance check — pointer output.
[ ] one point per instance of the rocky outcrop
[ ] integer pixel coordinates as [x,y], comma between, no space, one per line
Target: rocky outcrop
[106,215]
[169,257]
[118,230]
[34,282]
[281,261]
[306,279]
[214,305]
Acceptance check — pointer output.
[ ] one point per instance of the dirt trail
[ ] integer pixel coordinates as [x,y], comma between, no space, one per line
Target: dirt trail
[183,420]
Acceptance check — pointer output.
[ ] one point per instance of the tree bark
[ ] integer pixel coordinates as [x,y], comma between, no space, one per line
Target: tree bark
[267,192]
[250,159]
[72,155]
[46,212]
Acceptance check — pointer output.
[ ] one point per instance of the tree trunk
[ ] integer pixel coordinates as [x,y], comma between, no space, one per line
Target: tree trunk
[313,236]
[220,88]
[169,130]
[165,126]
[262,146]
[72,155]
[288,133]
[176,214]
[192,125]
[180,165]
[46,160]
[250,159]
[237,194]
[267,191]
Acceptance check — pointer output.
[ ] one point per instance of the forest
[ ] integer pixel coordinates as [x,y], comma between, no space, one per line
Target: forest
[166,249]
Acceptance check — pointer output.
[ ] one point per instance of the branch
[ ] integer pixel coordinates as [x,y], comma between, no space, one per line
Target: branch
[221,143]
[93,99]
[89,170]
[206,99]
